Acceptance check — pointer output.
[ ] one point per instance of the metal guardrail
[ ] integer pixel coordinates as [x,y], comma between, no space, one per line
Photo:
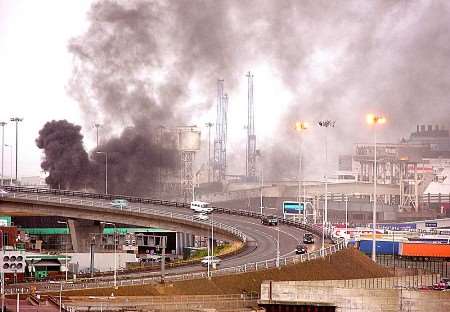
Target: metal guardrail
[134,199]
[132,208]
[45,194]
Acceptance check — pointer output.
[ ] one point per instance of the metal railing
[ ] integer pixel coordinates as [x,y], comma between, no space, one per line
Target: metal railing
[46,195]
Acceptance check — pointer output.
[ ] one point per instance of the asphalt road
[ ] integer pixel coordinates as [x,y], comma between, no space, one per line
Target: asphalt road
[264,236]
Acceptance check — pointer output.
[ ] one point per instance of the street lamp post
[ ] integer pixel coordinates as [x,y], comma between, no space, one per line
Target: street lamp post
[10,163]
[261,207]
[209,125]
[326,124]
[277,263]
[97,125]
[17,120]
[374,120]
[301,126]
[346,215]
[106,170]
[3,146]
[67,225]
[115,251]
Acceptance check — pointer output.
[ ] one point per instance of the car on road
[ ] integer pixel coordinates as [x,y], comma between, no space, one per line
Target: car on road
[119,203]
[301,249]
[269,220]
[201,207]
[200,217]
[308,238]
[3,193]
[212,260]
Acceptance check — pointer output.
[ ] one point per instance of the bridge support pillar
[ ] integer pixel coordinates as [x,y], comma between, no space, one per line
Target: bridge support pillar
[183,240]
[80,231]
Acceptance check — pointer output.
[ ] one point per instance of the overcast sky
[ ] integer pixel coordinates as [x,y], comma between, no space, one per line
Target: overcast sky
[34,69]
[310,59]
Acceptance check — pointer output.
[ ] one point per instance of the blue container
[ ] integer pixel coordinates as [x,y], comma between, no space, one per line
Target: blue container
[383,247]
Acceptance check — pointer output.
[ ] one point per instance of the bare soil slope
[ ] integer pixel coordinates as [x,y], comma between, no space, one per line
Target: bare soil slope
[346,264]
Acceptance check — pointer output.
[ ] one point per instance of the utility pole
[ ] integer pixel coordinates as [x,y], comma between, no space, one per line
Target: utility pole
[160,143]
[326,124]
[106,170]
[209,125]
[251,136]
[97,126]
[16,120]
[3,145]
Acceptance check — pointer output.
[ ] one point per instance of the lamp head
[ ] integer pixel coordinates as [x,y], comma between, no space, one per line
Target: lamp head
[373,119]
[301,125]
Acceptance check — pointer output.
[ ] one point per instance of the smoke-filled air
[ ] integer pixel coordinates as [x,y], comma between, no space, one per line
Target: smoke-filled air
[133,160]
[142,64]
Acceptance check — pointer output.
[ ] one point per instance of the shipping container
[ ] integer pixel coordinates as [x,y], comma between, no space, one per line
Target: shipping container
[383,247]
[425,250]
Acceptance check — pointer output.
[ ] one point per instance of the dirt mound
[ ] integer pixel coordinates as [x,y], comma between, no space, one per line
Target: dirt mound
[346,264]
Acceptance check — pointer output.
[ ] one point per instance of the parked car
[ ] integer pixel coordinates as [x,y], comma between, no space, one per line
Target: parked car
[443,284]
[212,260]
[301,249]
[119,203]
[269,220]
[200,217]
[3,193]
[308,238]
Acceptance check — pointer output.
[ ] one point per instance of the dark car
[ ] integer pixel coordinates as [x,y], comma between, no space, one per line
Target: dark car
[301,249]
[269,220]
[308,238]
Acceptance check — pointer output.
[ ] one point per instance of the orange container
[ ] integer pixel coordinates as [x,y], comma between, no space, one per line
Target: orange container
[425,250]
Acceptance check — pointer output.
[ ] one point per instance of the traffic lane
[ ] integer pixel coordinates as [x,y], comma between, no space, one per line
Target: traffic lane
[267,238]
[266,249]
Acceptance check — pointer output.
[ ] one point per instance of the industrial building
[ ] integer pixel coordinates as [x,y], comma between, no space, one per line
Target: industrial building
[411,164]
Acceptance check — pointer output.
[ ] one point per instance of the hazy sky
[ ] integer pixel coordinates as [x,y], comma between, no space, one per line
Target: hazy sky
[34,69]
[311,60]
[36,66]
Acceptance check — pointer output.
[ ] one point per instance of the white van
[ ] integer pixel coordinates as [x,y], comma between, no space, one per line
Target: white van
[199,206]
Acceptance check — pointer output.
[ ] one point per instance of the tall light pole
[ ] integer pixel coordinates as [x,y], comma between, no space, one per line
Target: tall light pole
[115,251]
[17,120]
[261,207]
[97,125]
[68,232]
[326,124]
[3,145]
[374,120]
[106,170]
[10,163]
[277,261]
[346,216]
[160,143]
[301,126]
[209,125]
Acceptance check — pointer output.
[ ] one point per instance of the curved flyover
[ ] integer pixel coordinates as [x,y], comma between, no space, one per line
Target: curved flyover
[170,215]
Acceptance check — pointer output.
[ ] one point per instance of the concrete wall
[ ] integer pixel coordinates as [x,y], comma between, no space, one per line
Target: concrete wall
[102,261]
[383,294]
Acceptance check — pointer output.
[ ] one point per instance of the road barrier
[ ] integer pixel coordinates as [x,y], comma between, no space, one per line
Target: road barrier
[97,200]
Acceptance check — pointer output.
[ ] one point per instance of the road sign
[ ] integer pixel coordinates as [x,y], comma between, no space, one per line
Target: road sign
[293,207]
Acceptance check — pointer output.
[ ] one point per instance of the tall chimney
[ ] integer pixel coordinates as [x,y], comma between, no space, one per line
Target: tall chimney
[417,128]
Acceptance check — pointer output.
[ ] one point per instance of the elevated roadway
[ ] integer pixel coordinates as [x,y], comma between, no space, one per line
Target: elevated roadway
[170,215]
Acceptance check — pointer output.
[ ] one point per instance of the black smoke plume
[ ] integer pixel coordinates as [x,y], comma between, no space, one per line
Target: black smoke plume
[134,164]
[134,161]
[139,61]
[65,159]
